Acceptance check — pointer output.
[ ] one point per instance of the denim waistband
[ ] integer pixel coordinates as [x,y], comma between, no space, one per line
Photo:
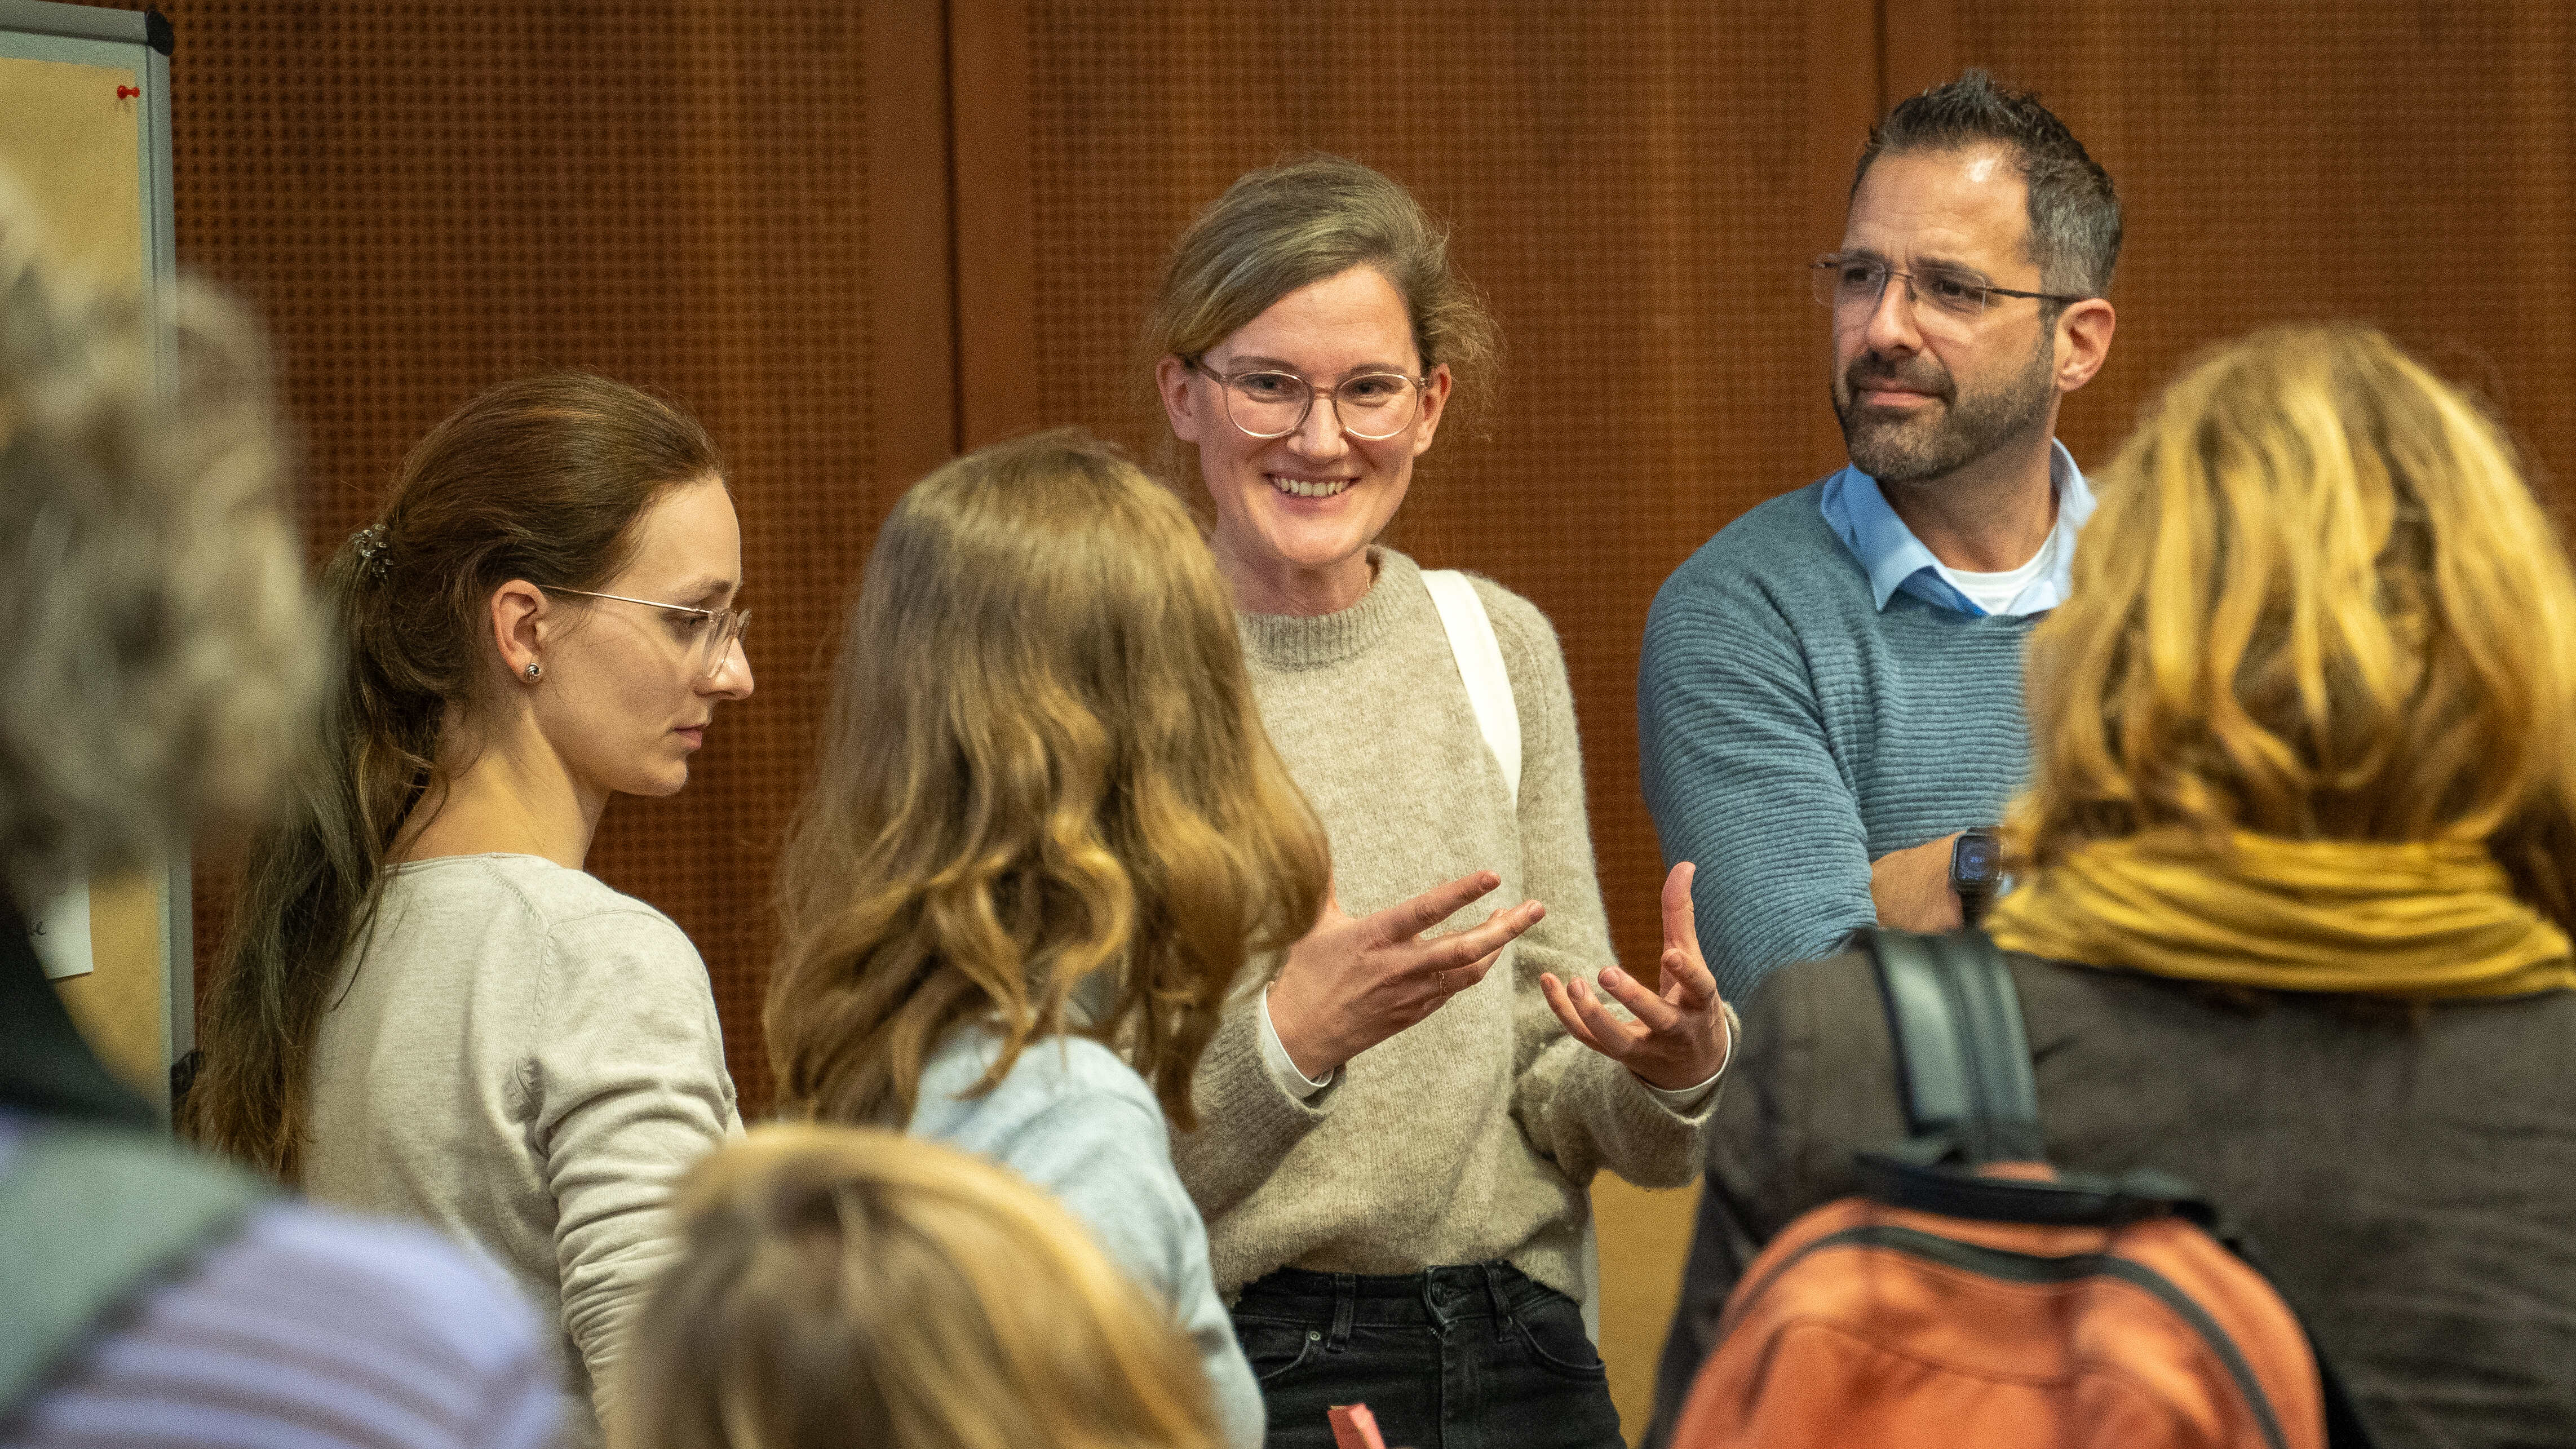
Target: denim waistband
[1435,1296]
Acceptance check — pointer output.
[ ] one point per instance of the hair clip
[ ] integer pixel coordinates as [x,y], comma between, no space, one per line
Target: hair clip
[373,557]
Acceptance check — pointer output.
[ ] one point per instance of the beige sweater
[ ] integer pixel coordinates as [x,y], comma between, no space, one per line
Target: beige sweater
[1475,1134]
[525,1059]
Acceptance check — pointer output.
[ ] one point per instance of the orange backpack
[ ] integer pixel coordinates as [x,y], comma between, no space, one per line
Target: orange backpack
[1973,1295]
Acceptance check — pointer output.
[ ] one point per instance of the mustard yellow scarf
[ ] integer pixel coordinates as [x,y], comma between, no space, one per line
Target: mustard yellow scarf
[2420,919]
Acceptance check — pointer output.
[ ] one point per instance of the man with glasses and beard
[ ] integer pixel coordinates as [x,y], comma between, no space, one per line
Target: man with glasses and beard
[1829,704]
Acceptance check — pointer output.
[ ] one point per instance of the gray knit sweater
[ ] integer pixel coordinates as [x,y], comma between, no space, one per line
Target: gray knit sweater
[1474,1134]
[525,1059]
[1791,732]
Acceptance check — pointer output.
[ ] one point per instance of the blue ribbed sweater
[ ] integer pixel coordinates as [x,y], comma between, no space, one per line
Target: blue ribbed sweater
[1791,732]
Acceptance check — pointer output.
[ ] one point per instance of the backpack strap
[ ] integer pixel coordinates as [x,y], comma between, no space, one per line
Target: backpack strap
[2345,1428]
[1963,1061]
[1961,1054]
[1480,664]
[2071,1199]
[90,1219]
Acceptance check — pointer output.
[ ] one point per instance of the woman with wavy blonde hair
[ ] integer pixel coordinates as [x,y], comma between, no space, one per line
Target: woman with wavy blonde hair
[1046,834]
[2337,616]
[2296,863]
[846,1286]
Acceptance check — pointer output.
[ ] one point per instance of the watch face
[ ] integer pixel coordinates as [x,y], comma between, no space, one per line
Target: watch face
[1973,862]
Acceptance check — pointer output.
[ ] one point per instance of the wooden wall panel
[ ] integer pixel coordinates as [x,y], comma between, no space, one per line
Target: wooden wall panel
[2281,159]
[1918,46]
[989,77]
[742,206]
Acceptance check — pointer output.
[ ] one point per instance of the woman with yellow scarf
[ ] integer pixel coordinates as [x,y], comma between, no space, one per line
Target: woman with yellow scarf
[2297,865]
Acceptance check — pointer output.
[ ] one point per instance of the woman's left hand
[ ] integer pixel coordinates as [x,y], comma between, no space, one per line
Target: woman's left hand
[1679,1037]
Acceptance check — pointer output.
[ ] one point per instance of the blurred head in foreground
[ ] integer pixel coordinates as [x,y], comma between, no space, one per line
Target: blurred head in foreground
[854,1286]
[159,663]
[2318,603]
[158,652]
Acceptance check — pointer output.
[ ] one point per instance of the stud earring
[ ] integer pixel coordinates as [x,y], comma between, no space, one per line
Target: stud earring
[535,671]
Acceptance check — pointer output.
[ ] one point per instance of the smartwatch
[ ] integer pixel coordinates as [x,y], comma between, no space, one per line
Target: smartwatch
[1976,868]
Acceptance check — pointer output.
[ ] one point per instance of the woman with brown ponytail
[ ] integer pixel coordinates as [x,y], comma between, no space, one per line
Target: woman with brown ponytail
[425,1006]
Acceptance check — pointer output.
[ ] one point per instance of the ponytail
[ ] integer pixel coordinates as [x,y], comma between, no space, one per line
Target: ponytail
[540,480]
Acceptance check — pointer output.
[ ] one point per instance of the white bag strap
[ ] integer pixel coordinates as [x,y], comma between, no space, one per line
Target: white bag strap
[1480,664]
[1489,694]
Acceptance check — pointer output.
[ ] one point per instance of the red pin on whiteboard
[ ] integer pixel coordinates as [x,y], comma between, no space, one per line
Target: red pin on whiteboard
[127,93]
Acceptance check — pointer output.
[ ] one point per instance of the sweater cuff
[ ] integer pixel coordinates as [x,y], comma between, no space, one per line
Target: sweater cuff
[1681,1101]
[1262,1123]
[1284,1069]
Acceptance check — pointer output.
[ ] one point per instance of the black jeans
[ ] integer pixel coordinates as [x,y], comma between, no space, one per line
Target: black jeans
[1472,1357]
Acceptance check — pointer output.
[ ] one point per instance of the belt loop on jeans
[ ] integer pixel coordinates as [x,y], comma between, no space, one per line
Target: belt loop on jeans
[1432,1306]
[1346,1304]
[1503,1319]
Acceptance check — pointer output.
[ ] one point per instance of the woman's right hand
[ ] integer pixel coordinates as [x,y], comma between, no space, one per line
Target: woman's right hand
[1350,984]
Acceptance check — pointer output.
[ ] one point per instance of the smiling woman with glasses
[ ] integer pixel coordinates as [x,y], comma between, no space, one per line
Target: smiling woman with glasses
[1405,1114]
[425,1006]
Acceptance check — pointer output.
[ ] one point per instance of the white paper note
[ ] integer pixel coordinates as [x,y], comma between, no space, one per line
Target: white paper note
[62,934]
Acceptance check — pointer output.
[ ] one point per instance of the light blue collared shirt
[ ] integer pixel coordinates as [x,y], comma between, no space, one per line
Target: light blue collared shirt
[1895,559]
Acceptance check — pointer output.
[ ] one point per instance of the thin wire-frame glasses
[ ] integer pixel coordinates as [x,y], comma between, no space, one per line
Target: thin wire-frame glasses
[720,628]
[1842,281]
[1267,403]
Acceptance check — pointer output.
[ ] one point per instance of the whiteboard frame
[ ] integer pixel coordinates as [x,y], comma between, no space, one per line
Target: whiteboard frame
[91,35]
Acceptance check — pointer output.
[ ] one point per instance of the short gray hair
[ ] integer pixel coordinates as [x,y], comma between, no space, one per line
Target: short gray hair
[2074,211]
[159,654]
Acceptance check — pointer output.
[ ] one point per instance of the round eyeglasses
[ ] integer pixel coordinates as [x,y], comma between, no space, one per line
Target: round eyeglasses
[1855,283]
[709,634]
[1268,403]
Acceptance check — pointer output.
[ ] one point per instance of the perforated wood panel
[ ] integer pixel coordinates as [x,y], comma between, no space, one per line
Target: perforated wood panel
[424,199]
[2412,165]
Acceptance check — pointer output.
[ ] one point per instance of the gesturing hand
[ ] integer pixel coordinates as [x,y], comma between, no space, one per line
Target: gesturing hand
[1679,1037]
[1350,984]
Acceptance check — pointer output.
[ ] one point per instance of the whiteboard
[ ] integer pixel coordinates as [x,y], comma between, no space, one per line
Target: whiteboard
[85,142]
